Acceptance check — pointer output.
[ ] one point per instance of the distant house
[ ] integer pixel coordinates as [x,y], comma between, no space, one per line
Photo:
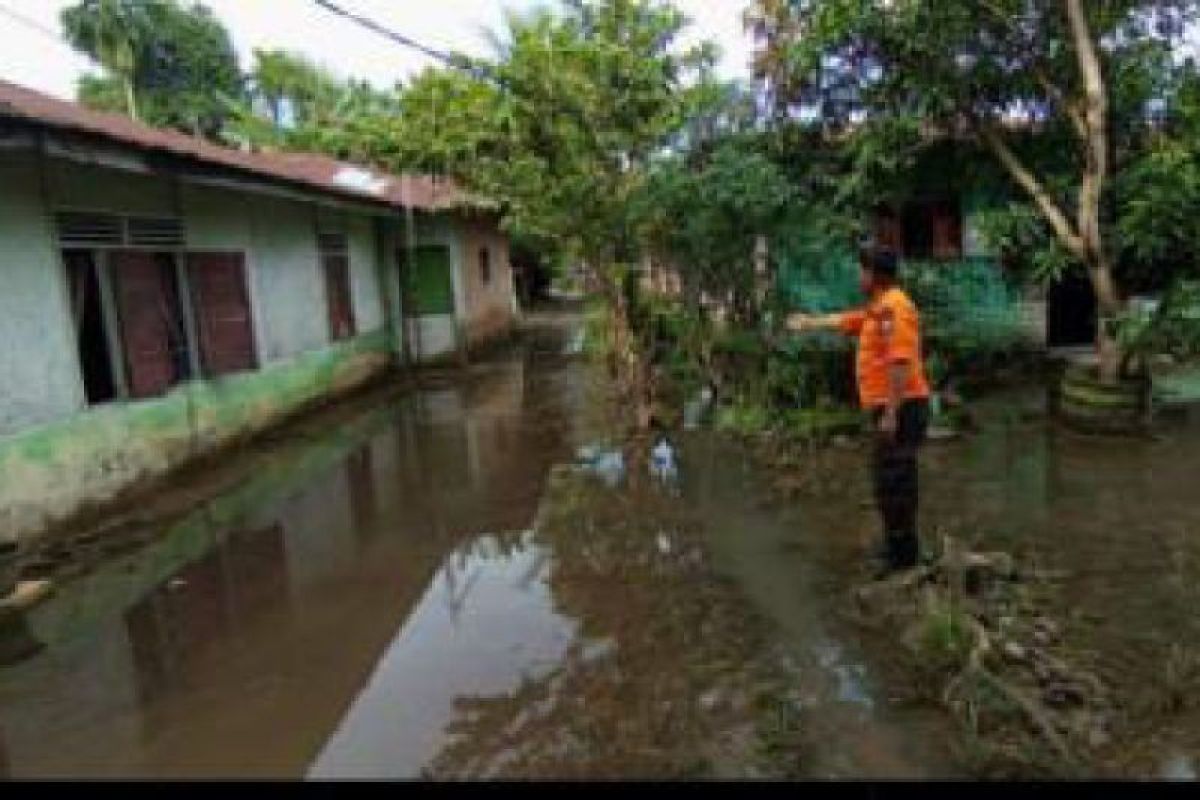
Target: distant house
[161,296]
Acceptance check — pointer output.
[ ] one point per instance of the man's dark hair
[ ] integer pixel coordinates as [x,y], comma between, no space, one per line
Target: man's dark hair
[881,261]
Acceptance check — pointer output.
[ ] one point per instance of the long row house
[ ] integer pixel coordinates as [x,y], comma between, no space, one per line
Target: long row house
[162,296]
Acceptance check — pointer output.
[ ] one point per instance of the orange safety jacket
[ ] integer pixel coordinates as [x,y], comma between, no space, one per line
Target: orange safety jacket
[889,332]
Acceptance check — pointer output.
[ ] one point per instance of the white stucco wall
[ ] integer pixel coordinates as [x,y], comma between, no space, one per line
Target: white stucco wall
[39,371]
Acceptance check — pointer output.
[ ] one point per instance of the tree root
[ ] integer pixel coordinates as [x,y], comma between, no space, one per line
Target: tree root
[976,668]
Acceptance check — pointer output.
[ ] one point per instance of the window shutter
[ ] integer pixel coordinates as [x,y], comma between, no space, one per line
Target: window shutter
[337,293]
[144,308]
[221,303]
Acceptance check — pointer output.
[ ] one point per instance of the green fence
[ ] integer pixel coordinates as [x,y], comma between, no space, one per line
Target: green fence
[966,297]
[968,310]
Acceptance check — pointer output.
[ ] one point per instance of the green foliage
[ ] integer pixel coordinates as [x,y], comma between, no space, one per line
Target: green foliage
[1173,327]
[103,93]
[176,66]
[299,105]
[705,219]
[1159,197]
[811,372]
[944,639]
[743,419]
[562,128]
[1019,235]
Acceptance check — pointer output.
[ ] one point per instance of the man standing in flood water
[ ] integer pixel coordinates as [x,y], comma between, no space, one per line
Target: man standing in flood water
[893,388]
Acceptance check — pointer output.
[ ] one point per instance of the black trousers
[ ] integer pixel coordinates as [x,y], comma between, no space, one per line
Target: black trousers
[894,472]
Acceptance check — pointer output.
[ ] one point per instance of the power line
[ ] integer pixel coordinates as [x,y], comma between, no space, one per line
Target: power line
[449,59]
[38,27]
[30,23]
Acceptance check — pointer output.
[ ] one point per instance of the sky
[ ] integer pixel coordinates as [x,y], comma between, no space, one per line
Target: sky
[32,53]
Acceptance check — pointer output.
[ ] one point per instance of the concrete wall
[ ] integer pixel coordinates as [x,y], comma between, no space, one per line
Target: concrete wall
[293,317]
[39,372]
[491,307]
[53,471]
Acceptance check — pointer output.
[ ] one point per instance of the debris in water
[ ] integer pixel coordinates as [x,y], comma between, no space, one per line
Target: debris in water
[662,462]
[608,465]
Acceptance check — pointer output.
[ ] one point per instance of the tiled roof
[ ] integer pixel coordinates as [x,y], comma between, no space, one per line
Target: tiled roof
[310,170]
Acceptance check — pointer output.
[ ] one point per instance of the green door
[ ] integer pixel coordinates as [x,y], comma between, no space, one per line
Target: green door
[430,286]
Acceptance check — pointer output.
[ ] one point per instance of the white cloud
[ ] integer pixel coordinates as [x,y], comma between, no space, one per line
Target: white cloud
[32,56]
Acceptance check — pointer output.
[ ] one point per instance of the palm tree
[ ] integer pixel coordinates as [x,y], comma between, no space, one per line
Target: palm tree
[107,30]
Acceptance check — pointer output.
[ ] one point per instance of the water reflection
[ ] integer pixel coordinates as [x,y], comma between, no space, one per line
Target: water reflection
[237,642]
[485,624]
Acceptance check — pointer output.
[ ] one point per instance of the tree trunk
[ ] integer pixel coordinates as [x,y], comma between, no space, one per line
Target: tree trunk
[1082,237]
[1095,139]
[130,97]
[628,365]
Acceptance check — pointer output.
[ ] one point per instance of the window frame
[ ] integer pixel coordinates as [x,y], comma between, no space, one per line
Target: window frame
[333,255]
[485,266]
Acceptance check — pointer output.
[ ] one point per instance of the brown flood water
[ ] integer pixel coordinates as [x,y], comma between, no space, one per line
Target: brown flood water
[367,590]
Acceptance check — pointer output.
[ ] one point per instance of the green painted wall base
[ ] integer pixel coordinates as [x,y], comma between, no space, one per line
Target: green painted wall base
[53,472]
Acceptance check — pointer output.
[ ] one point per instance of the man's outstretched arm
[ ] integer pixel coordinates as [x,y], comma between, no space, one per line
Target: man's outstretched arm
[801,323]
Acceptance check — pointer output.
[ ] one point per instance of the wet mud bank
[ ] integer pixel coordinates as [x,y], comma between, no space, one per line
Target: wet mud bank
[1096,629]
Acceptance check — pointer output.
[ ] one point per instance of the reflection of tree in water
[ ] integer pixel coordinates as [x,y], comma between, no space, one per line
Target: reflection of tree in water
[660,682]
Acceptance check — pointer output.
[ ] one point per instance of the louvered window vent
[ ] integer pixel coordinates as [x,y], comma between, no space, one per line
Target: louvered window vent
[332,244]
[91,230]
[154,232]
[85,229]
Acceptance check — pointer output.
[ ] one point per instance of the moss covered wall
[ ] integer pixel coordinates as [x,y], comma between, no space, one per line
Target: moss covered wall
[50,472]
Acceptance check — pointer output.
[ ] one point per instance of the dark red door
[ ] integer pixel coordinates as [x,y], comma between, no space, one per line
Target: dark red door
[889,232]
[222,307]
[947,231]
[150,323]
